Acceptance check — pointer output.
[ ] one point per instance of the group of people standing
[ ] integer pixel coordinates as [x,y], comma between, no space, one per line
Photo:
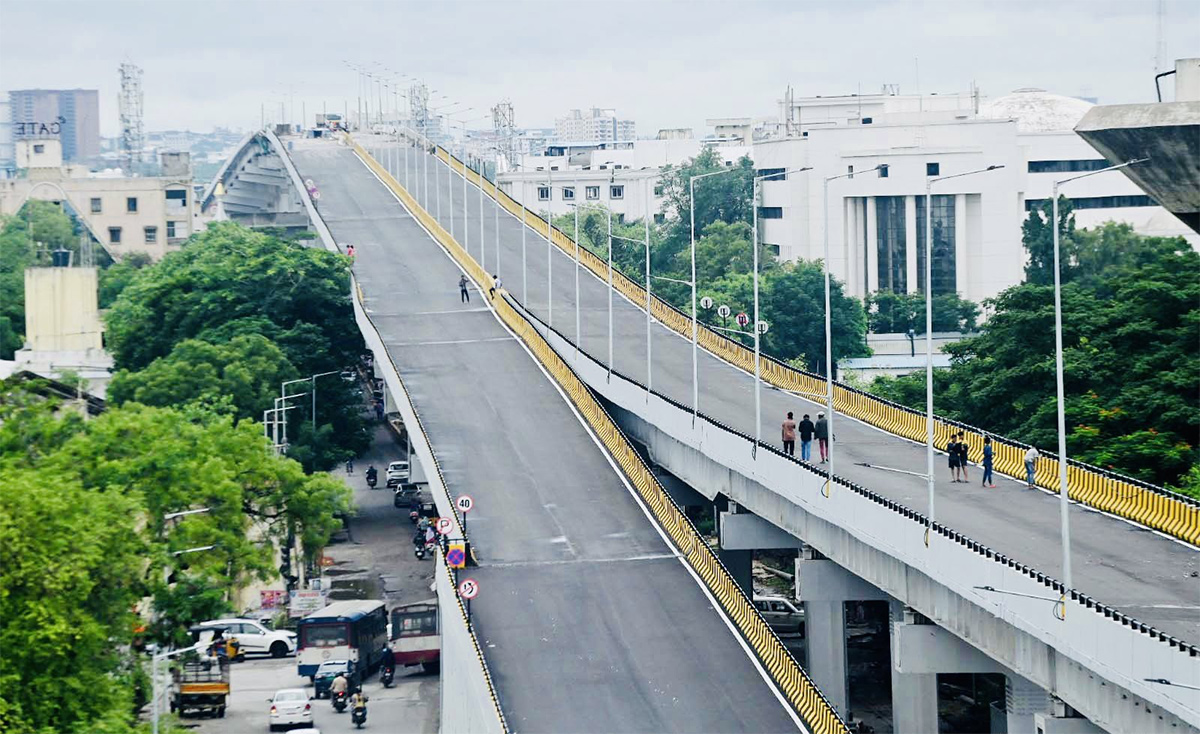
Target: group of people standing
[959,452]
[808,431]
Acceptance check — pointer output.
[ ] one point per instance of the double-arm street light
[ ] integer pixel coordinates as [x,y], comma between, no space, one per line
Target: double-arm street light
[611,238]
[929,182]
[1063,498]
[695,326]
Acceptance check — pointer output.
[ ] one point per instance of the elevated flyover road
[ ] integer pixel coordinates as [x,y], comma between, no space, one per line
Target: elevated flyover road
[588,620]
[1153,578]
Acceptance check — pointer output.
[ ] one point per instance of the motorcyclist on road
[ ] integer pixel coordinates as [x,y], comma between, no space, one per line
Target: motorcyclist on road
[339,685]
[389,659]
[371,472]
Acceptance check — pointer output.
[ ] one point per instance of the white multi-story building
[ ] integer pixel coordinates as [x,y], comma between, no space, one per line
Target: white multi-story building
[593,124]
[876,219]
[622,177]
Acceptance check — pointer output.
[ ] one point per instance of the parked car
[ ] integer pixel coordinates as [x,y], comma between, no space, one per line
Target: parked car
[781,613]
[255,638]
[329,670]
[398,473]
[289,706]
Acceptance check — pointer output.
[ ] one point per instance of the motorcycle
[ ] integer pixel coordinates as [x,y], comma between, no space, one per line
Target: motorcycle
[372,478]
[339,701]
[387,676]
[358,716]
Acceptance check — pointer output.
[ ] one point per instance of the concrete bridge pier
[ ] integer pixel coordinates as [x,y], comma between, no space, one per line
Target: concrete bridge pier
[740,534]
[824,587]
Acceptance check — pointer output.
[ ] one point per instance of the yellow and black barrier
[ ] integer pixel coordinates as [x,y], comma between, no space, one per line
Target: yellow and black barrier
[1154,507]
[802,694]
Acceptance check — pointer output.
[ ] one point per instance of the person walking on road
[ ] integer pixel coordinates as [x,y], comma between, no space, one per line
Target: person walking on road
[1031,457]
[987,463]
[807,429]
[496,285]
[350,252]
[789,435]
[463,294]
[952,454]
[822,432]
[964,455]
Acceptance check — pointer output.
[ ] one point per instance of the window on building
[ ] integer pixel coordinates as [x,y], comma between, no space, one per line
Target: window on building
[890,243]
[933,169]
[151,235]
[95,205]
[771,174]
[176,199]
[770,212]
[1098,202]
[850,170]
[658,190]
[616,191]
[867,120]
[543,193]
[114,235]
[883,170]
[774,249]
[592,193]
[131,204]
[659,218]
[1081,166]
[944,273]
[39,148]
[171,230]
[568,193]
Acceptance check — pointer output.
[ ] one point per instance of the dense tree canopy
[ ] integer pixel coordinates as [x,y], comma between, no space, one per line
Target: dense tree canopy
[896,313]
[27,240]
[227,276]
[1131,314]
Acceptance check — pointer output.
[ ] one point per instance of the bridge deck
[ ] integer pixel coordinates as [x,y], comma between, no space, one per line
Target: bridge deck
[1136,570]
[587,620]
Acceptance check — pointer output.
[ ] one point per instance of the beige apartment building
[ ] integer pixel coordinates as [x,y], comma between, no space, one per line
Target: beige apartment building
[149,214]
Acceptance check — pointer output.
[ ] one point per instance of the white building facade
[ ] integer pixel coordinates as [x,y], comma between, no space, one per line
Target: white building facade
[876,218]
[594,124]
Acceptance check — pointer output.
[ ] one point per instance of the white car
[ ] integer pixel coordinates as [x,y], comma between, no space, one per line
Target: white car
[255,639]
[398,473]
[290,706]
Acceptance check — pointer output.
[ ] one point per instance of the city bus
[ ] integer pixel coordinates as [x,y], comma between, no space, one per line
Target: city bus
[345,630]
[415,638]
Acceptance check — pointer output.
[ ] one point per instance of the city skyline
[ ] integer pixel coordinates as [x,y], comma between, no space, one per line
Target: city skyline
[657,67]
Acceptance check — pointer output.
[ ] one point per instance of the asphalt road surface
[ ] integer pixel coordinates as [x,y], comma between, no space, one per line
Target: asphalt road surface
[1136,570]
[588,621]
[376,562]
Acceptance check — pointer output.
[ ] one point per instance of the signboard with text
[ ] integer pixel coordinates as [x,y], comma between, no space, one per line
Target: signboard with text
[306,601]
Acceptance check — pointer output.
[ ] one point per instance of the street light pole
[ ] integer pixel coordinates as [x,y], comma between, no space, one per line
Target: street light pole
[646,244]
[930,484]
[695,324]
[1063,496]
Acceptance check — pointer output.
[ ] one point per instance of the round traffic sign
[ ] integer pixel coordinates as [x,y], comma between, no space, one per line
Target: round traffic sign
[316,195]
[706,302]
[443,525]
[763,327]
[723,311]
[456,557]
[464,503]
[743,319]
[308,183]
[468,589]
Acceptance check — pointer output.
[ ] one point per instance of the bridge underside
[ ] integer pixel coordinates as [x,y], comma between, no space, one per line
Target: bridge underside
[255,188]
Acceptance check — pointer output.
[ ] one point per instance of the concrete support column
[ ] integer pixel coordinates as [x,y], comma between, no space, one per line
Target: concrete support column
[1063,720]
[824,588]
[740,564]
[1023,699]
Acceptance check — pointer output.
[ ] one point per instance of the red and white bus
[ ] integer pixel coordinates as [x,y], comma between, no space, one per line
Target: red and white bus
[415,638]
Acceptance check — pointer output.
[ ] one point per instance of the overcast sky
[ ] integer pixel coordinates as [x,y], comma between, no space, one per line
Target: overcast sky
[660,63]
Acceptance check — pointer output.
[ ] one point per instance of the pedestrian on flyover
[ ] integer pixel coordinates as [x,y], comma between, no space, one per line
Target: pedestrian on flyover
[987,463]
[822,431]
[952,454]
[789,435]
[496,285]
[350,252]
[1031,457]
[463,294]
[964,455]
[807,429]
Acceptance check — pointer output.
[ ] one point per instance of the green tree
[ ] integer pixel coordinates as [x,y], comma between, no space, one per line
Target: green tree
[896,313]
[719,198]
[1130,319]
[246,370]
[1038,237]
[298,296]
[72,566]
[116,277]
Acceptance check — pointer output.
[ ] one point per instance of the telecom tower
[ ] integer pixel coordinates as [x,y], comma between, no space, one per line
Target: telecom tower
[504,126]
[418,103]
[133,136]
